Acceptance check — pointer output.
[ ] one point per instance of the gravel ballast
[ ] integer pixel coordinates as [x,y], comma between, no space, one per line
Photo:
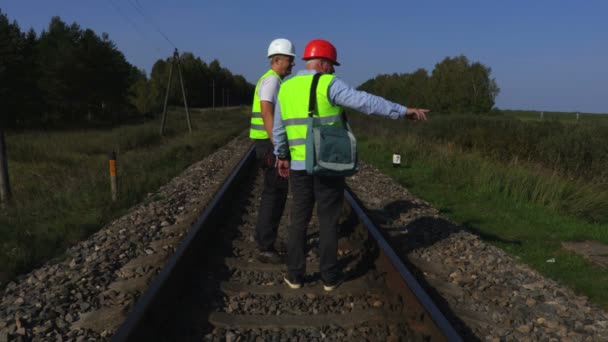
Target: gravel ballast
[490,295]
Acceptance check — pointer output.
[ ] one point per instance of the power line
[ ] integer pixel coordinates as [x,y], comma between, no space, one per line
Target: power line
[140,9]
[133,23]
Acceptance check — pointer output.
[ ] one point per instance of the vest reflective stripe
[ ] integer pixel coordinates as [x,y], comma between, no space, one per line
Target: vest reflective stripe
[317,121]
[257,130]
[294,142]
[293,99]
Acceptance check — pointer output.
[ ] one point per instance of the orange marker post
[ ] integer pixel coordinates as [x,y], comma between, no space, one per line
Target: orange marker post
[113,180]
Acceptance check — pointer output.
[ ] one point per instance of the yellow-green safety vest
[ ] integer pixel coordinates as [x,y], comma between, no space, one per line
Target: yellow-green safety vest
[293,99]
[257,130]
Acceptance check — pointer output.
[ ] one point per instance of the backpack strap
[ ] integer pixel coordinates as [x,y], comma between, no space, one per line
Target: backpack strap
[312,101]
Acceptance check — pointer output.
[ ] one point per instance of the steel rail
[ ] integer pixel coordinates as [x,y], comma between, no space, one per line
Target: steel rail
[130,326]
[433,322]
[438,322]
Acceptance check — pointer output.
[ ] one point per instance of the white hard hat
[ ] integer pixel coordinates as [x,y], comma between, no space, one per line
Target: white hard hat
[281,46]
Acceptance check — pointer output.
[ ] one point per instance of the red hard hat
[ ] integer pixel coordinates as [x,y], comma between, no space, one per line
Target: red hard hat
[319,48]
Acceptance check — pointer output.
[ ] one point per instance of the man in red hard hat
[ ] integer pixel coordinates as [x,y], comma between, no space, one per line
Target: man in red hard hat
[281,54]
[289,135]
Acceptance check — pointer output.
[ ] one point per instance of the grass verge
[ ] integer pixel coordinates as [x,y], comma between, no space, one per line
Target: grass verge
[520,207]
[60,180]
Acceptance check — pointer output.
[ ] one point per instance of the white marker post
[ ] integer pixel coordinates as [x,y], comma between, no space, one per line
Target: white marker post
[396,160]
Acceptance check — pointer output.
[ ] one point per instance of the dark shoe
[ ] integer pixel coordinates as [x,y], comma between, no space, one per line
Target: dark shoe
[270,257]
[332,285]
[293,282]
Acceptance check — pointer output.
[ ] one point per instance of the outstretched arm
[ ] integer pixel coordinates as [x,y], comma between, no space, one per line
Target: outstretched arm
[342,94]
[416,114]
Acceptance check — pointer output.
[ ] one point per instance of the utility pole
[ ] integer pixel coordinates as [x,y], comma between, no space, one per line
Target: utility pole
[5,187]
[175,61]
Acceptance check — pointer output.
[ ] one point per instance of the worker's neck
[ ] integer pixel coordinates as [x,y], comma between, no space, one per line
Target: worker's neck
[276,69]
[316,67]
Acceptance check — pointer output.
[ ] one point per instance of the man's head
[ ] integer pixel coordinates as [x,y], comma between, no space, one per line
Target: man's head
[281,53]
[321,55]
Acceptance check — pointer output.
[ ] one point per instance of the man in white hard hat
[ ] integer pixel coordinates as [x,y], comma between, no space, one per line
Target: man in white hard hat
[281,54]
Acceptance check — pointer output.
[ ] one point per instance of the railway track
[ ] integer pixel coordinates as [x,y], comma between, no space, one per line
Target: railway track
[214,289]
[120,271]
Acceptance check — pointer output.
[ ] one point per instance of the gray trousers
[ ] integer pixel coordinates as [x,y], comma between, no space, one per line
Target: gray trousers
[273,196]
[328,193]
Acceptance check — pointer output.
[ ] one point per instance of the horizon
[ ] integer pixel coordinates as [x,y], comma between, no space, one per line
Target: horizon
[544,56]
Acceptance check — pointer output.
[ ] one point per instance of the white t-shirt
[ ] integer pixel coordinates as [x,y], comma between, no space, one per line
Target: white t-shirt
[269,89]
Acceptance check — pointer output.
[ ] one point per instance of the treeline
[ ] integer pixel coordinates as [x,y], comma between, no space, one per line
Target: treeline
[69,76]
[455,86]
[206,85]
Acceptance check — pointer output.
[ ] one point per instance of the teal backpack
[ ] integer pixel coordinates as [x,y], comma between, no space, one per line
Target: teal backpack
[331,150]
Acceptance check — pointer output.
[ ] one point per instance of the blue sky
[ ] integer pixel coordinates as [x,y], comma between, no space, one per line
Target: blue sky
[544,55]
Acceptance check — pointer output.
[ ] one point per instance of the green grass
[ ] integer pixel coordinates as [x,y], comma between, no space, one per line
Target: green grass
[60,180]
[519,206]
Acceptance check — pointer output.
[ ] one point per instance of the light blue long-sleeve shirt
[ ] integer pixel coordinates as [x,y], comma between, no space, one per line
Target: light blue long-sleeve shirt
[340,94]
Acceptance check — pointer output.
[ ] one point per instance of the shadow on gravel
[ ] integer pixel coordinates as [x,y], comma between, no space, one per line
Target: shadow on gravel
[426,231]
[419,233]
[392,211]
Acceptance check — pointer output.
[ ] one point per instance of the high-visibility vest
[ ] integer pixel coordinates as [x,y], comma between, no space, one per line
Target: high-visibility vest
[257,130]
[293,99]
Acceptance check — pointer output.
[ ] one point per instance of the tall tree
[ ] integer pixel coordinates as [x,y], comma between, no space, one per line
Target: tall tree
[142,94]
[11,58]
[199,79]
[411,89]
[71,76]
[56,60]
[455,85]
[483,88]
[417,90]
[82,75]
